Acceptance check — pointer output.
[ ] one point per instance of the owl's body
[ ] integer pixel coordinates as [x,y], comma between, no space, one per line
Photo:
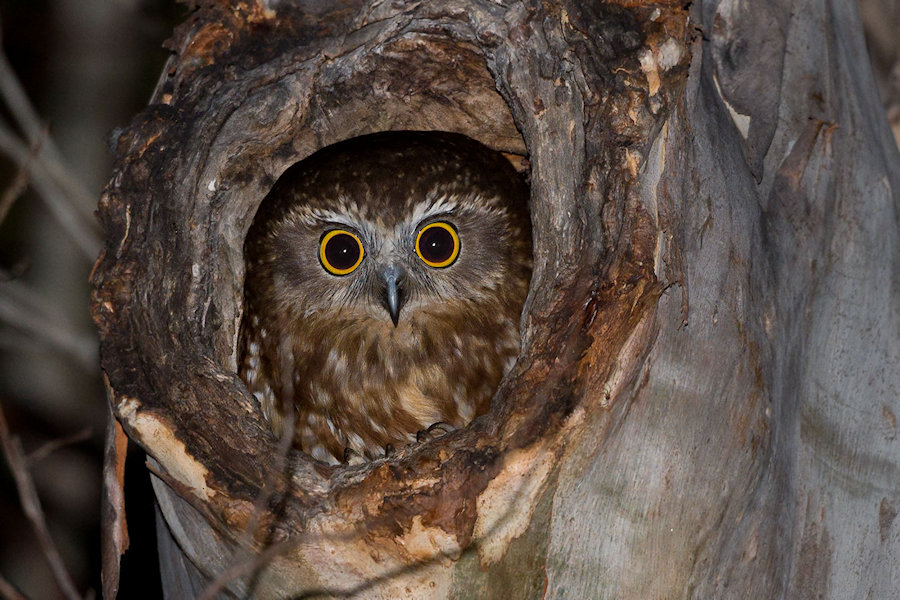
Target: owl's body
[385,280]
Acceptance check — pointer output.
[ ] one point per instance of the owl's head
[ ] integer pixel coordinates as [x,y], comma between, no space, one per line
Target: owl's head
[389,226]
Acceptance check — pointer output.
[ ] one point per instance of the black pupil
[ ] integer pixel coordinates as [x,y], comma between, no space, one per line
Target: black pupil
[342,251]
[436,244]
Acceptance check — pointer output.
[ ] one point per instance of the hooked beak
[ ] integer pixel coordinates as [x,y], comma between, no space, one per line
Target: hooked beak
[392,294]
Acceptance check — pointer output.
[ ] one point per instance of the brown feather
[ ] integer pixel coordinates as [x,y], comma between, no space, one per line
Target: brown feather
[325,346]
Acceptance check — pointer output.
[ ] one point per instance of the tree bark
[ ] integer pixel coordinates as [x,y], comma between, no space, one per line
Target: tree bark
[705,403]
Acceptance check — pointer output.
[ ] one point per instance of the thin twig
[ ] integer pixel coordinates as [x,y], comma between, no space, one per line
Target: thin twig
[59,200]
[25,310]
[9,592]
[269,486]
[53,445]
[31,505]
[25,294]
[248,567]
[31,124]
[19,105]
[243,560]
[20,343]
[19,183]
[187,494]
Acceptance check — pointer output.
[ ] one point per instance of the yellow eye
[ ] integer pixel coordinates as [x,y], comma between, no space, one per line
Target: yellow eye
[340,252]
[437,244]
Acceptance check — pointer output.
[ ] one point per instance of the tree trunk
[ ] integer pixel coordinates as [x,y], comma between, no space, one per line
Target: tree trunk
[705,403]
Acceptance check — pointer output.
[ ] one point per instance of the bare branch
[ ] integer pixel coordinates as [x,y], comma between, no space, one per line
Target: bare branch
[20,343]
[114,527]
[20,182]
[59,200]
[9,592]
[31,505]
[244,561]
[23,309]
[185,493]
[53,445]
[31,124]
[246,567]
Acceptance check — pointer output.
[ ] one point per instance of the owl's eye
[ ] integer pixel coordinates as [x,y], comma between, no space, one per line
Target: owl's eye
[437,244]
[340,252]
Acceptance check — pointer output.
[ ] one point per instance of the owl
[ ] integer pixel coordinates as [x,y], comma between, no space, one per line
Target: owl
[385,278]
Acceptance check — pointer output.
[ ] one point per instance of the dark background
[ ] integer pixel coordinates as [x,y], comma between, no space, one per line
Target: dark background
[88,66]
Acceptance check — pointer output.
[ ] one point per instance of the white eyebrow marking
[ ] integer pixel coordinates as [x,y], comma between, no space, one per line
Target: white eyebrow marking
[350,215]
[435,203]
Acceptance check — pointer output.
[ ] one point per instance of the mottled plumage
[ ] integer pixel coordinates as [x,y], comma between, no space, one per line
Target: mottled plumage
[367,355]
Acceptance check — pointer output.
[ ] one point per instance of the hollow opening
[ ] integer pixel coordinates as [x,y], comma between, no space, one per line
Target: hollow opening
[385,277]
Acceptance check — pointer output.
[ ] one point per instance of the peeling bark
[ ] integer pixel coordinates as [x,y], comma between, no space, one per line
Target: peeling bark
[710,343]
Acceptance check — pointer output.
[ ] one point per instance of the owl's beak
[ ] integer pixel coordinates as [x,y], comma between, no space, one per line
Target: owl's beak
[392,294]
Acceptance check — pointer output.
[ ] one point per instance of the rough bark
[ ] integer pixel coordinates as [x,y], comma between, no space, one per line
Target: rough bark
[705,401]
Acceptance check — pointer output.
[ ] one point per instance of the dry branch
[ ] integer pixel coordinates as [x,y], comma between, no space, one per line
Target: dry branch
[35,130]
[19,183]
[9,592]
[31,505]
[65,197]
[25,310]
